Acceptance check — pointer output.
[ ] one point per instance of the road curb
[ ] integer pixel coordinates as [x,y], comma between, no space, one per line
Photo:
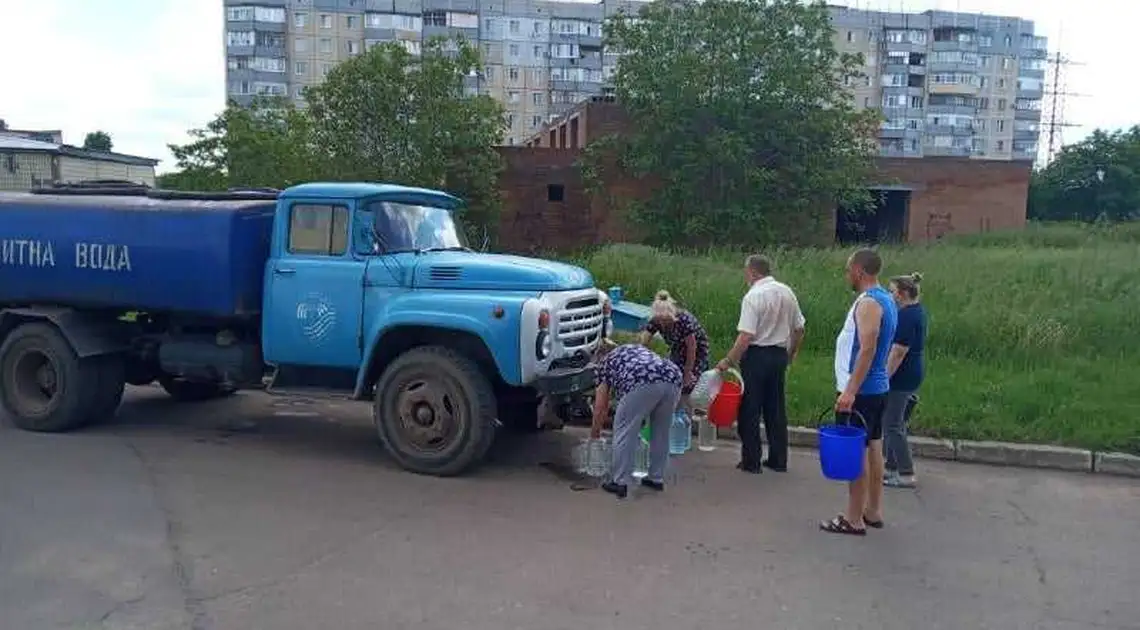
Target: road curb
[1041,456]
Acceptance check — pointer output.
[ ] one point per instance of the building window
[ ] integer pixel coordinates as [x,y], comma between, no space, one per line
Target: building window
[1008,43]
[916,102]
[413,48]
[555,193]
[318,230]
[326,20]
[301,45]
[850,36]
[986,40]
[1001,143]
[352,46]
[513,50]
[240,38]
[326,68]
[513,74]
[462,20]
[255,14]
[512,97]
[488,24]
[301,68]
[536,121]
[1000,126]
[1001,104]
[350,21]
[300,20]
[536,98]
[325,45]
[489,73]
[513,25]
[435,18]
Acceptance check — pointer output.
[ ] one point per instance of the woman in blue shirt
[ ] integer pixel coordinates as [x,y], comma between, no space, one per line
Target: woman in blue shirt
[906,365]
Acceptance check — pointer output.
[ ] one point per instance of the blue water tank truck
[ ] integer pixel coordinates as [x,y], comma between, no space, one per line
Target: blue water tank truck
[360,290]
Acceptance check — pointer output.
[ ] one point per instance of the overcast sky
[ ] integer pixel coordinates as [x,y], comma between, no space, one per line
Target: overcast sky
[146,71]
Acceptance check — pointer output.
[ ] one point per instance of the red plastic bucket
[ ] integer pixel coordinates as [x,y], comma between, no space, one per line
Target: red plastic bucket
[722,412]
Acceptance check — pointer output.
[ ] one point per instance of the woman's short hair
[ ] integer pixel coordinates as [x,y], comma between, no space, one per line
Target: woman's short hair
[908,285]
[664,306]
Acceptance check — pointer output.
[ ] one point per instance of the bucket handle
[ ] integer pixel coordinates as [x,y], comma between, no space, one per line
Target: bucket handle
[735,373]
[854,413]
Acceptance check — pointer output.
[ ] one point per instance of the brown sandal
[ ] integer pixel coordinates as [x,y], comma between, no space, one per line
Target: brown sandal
[840,525]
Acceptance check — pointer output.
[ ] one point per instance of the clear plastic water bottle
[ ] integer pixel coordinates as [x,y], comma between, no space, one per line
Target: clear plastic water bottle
[598,458]
[641,460]
[706,433]
[680,433]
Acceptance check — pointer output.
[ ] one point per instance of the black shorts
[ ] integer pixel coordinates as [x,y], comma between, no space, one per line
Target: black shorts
[871,408]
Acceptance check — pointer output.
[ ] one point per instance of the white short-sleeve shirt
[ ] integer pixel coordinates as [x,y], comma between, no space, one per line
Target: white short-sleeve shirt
[770,313]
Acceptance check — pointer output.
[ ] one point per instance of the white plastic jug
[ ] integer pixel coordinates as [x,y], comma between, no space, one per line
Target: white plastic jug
[705,390]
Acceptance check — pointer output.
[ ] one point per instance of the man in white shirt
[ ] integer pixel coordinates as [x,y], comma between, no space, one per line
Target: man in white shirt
[771,329]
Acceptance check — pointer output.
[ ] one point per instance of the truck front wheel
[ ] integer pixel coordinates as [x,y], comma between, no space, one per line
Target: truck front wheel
[193,391]
[435,411]
[44,386]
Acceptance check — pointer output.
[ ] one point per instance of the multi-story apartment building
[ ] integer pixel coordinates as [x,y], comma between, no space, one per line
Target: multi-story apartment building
[947,83]
[541,57]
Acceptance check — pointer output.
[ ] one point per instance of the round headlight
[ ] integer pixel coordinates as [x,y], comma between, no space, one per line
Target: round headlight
[543,346]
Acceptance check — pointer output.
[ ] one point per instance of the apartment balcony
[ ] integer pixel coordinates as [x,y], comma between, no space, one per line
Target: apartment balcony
[954,45]
[954,88]
[1031,74]
[259,76]
[1031,93]
[585,41]
[252,25]
[1033,53]
[907,46]
[959,110]
[952,66]
[1027,135]
[891,133]
[949,130]
[593,62]
[1027,114]
[933,151]
[470,34]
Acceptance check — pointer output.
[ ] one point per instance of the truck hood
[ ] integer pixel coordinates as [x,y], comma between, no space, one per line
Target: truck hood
[469,270]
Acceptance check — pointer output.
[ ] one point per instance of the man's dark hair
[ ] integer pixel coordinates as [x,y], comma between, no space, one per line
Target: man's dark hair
[868,260]
[759,264]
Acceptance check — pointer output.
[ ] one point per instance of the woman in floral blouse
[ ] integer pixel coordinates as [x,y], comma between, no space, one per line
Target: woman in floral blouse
[687,339]
[645,385]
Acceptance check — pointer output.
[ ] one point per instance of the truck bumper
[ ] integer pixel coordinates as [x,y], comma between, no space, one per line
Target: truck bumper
[565,394]
[567,382]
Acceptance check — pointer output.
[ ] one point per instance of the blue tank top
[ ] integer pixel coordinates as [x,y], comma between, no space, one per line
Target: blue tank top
[878,381]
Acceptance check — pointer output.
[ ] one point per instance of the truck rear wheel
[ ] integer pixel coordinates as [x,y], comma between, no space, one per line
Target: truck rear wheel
[435,411]
[44,386]
[193,391]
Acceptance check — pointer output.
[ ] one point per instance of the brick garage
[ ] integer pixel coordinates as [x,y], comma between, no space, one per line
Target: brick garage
[546,206]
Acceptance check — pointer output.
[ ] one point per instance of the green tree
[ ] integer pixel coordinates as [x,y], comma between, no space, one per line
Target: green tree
[97,141]
[267,144]
[740,116]
[387,115]
[1096,179]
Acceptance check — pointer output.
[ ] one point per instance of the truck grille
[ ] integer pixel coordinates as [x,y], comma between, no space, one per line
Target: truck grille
[580,323]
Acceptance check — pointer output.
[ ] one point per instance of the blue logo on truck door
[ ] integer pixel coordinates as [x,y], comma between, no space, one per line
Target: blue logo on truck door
[317,317]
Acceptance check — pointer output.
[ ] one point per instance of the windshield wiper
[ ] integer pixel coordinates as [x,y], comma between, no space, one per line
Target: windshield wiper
[456,248]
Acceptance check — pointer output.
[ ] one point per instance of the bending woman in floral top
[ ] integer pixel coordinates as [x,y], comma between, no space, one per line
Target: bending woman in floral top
[645,385]
[687,339]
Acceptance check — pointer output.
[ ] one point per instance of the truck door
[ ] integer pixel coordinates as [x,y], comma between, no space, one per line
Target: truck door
[314,287]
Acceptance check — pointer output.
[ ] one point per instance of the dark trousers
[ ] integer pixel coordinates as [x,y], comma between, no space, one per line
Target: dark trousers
[763,369]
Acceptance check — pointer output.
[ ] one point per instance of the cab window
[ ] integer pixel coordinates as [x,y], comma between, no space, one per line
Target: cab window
[318,230]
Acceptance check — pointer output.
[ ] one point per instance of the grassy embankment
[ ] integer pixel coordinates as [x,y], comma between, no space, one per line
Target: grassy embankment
[1034,336]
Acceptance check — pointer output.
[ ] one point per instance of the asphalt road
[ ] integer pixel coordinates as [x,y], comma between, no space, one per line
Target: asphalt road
[268,514]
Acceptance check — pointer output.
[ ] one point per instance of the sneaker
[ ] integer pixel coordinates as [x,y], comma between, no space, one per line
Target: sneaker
[891,479]
[659,486]
[617,489]
[895,480]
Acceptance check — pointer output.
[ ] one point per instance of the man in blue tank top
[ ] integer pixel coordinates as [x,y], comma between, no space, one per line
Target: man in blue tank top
[862,382]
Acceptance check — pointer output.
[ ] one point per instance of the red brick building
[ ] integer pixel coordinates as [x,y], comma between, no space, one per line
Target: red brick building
[547,207]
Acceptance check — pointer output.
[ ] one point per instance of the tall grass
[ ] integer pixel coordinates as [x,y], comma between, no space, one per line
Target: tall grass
[1034,336]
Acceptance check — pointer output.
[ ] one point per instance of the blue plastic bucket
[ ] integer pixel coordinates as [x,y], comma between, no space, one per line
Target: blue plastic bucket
[617,294]
[842,448]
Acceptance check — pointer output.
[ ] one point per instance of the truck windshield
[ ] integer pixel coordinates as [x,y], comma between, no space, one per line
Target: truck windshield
[410,227]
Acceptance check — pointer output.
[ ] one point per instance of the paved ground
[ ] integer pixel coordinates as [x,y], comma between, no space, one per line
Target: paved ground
[181,517]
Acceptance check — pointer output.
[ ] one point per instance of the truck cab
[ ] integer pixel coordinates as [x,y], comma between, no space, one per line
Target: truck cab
[364,291]
[371,289]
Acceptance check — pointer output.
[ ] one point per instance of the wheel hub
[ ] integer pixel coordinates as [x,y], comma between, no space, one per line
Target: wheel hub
[429,415]
[36,382]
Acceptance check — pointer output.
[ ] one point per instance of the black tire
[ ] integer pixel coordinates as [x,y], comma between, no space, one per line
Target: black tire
[110,374]
[435,411]
[193,391]
[44,386]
